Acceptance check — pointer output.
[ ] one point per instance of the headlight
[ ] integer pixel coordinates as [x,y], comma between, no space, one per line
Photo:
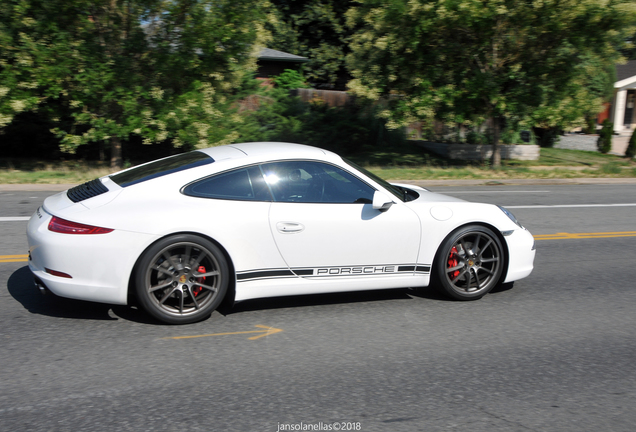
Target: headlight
[510,215]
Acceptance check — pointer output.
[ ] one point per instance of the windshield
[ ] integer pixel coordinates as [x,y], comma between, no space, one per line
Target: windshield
[398,192]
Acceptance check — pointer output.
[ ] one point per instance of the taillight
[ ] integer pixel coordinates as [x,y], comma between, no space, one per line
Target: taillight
[63,226]
[57,273]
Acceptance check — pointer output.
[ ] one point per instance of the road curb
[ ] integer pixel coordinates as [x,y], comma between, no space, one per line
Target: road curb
[35,187]
[520,182]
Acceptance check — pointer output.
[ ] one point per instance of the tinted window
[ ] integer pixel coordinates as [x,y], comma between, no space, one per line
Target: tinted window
[244,184]
[399,193]
[314,182]
[161,167]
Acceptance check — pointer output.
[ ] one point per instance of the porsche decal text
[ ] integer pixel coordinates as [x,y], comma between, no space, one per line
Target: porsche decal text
[355,270]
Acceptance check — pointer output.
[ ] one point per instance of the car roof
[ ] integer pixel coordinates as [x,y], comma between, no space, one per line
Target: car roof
[265,151]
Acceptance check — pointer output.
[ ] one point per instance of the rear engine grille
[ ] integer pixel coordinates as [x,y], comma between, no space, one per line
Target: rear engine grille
[86,190]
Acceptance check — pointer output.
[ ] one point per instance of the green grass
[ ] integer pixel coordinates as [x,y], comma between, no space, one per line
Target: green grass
[405,163]
[500,174]
[558,157]
[552,163]
[15,171]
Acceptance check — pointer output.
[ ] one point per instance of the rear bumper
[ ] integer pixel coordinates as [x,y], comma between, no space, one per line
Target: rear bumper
[99,265]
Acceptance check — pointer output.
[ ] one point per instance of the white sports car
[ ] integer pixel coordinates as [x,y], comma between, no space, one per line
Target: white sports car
[253,220]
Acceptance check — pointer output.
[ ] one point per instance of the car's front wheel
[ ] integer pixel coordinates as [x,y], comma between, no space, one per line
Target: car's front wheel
[181,279]
[469,262]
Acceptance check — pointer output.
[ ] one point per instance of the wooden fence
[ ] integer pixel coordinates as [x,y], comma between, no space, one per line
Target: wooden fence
[330,97]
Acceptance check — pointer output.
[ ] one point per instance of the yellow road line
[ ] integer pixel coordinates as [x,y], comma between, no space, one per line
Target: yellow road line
[556,236]
[13,258]
[266,332]
[569,236]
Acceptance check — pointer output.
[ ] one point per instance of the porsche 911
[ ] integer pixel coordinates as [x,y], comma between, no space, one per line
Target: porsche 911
[180,235]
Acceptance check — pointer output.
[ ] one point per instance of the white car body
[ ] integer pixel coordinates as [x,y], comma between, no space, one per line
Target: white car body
[274,248]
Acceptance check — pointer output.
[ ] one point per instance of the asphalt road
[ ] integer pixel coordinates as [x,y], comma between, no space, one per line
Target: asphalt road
[554,352]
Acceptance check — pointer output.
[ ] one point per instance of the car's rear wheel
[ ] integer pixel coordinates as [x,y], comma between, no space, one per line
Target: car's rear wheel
[469,263]
[181,279]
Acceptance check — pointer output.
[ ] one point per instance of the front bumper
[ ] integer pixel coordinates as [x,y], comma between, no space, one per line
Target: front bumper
[521,252]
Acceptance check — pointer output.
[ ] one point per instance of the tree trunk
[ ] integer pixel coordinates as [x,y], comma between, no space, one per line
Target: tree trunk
[496,153]
[115,153]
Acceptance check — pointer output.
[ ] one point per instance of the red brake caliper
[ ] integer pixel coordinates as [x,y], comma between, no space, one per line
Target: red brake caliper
[452,262]
[197,290]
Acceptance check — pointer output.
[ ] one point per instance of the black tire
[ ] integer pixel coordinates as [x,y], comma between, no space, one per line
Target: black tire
[181,279]
[469,263]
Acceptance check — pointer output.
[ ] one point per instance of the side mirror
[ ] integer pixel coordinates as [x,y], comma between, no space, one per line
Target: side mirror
[381,201]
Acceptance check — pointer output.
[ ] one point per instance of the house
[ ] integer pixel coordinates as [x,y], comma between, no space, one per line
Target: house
[621,109]
[272,62]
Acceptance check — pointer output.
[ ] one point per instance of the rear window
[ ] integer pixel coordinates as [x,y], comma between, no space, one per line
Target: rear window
[161,167]
[246,184]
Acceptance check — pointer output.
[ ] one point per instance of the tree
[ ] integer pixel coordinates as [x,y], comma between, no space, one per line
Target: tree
[465,61]
[315,29]
[18,83]
[580,99]
[160,69]
[629,50]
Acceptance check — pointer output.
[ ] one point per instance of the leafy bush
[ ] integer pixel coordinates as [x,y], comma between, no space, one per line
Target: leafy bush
[630,152]
[590,124]
[345,130]
[512,135]
[290,79]
[476,137]
[604,142]
[547,137]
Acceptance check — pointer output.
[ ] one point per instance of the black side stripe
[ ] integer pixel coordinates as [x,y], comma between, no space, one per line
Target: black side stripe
[418,269]
[304,272]
[331,272]
[264,274]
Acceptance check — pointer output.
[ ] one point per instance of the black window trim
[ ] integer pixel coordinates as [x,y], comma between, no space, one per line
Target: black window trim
[272,200]
[229,170]
[141,179]
[322,162]
[379,180]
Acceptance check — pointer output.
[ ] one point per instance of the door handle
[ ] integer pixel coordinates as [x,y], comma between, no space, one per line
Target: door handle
[289,227]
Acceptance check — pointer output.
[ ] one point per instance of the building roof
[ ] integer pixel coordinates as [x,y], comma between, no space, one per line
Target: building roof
[271,54]
[625,71]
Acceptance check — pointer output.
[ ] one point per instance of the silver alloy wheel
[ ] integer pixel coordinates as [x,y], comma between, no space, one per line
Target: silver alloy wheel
[182,279]
[471,264]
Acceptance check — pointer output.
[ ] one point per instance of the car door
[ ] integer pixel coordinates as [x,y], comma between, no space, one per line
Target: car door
[235,213]
[323,223]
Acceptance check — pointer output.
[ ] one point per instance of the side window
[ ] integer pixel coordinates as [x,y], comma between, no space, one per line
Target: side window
[246,184]
[314,182]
